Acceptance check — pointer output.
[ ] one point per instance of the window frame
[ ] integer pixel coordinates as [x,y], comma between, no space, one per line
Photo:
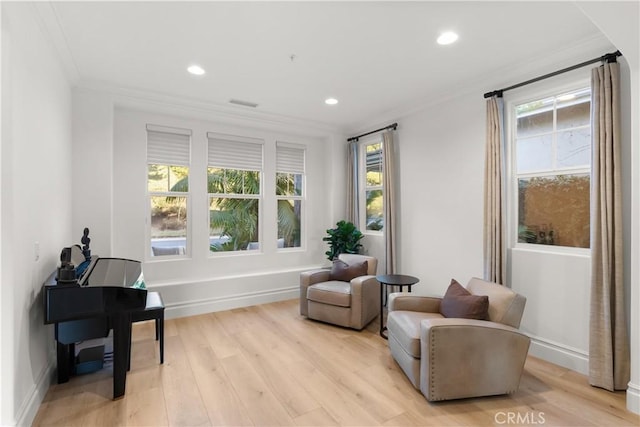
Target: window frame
[258,196]
[363,187]
[522,96]
[149,257]
[301,198]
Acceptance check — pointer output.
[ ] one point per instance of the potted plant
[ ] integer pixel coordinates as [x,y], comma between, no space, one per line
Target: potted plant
[344,239]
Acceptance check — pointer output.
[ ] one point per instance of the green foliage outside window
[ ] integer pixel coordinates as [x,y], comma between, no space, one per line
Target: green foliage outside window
[168,211]
[236,218]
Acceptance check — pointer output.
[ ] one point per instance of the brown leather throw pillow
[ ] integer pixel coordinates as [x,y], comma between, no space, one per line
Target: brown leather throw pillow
[459,302]
[344,272]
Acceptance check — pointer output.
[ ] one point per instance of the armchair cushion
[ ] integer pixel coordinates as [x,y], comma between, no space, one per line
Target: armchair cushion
[460,303]
[404,327]
[334,292]
[344,272]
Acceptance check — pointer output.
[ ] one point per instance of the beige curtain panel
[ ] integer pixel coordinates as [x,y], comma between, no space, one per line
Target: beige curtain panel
[389,202]
[352,183]
[608,341]
[493,233]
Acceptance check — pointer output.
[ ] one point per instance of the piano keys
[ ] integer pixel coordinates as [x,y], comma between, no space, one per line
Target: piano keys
[104,298]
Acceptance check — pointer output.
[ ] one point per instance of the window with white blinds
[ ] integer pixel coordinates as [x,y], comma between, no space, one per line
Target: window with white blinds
[290,168]
[234,176]
[289,158]
[168,162]
[229,152]
[168,146]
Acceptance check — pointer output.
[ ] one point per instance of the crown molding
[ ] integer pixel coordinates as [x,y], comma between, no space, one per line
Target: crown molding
[161,103]
[48,19]
[568,55]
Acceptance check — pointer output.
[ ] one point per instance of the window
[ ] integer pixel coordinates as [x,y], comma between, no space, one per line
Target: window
[168,154]
[289,193]
[552,144]
[234,176]
[373,187]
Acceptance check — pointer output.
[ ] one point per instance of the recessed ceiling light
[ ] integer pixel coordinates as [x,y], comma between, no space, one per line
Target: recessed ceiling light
[196,70]
[331,101]
[447,37]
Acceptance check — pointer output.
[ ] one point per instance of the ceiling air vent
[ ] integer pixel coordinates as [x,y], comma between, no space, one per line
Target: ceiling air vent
[243,103]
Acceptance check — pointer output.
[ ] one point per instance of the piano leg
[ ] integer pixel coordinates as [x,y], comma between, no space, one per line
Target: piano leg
[121,343]
[65,356]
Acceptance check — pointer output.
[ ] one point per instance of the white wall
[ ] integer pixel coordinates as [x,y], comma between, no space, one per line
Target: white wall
[93,168]
[440,163]
[36,204]
[201,282]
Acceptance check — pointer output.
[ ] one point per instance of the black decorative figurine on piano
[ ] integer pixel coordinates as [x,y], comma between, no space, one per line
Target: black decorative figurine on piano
[66,271]
[85,298]
[74,261]
[86,251]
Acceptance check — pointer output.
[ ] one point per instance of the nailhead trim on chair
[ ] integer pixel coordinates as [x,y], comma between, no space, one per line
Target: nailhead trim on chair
[432,364]
[432,370]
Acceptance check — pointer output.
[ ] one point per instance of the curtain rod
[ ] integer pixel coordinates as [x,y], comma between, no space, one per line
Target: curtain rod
[392,126]
[609,57]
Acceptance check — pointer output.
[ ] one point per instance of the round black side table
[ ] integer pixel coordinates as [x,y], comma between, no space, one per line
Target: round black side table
[386,280]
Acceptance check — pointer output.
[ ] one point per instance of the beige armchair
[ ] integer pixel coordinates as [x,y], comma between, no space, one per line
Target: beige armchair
[452,358]
[350,304]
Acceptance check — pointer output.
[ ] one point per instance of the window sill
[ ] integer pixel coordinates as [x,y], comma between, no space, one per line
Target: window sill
[552,250]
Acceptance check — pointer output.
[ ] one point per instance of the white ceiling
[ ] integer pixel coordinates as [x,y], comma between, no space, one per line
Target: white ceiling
[377,58]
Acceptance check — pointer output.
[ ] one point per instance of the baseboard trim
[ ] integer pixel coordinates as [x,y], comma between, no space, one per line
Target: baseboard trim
[559,354]
[228,302]
[633,398]
[29,408]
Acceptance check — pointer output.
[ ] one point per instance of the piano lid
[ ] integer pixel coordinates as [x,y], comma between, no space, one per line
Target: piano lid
[109,286]
[113,272]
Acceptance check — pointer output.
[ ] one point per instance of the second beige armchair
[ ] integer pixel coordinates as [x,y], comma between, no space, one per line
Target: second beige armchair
[352,304]
[454,358]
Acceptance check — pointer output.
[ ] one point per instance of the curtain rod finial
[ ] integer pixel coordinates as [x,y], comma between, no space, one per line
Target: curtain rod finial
[611,57]
[497,93]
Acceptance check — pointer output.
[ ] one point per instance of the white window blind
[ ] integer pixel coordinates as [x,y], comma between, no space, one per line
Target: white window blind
[168,146]
[289,158]
[229,152]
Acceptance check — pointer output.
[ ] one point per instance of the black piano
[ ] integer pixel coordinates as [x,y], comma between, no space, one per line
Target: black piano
[103,298]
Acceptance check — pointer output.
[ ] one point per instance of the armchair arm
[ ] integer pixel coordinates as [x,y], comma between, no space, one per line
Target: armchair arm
[365,290]
[308,278]
[365,281]
[466,358]
[409,302]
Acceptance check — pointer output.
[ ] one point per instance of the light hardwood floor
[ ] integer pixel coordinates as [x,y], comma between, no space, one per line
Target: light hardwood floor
[266,365]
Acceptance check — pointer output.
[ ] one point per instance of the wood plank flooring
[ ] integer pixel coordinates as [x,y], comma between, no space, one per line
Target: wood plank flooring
[267,365]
